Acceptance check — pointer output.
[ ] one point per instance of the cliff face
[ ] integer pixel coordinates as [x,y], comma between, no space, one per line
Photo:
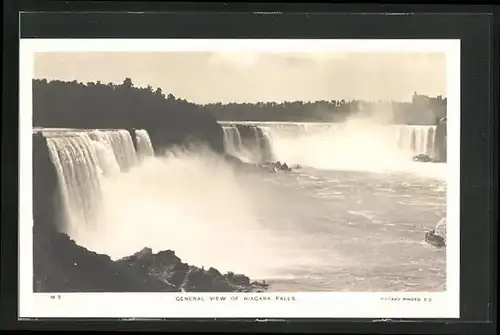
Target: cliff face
[46,198]
[441,140]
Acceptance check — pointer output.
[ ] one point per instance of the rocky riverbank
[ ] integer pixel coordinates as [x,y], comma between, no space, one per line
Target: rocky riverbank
[169,269]
[263,167]
[60,265]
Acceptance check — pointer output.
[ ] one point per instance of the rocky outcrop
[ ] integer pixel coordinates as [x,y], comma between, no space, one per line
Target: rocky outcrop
[434,239]
[60,265]
[45,184]
[272,167]
[424,158]
[278,166]
[168,268]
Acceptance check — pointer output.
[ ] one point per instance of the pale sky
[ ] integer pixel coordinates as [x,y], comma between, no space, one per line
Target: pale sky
[203,77]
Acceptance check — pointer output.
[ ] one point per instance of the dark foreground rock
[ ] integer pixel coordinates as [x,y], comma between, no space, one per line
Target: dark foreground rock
[60,265]
[168,268]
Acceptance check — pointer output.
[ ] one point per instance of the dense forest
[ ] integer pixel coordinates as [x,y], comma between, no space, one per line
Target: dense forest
[422,110]
[95,105]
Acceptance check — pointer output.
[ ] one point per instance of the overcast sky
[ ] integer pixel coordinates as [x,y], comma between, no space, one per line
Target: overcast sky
[203,77]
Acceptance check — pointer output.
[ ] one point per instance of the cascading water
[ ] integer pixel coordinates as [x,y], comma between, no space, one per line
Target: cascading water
[82,159]
[243,146]
[253,147]
[265,144]
[121,143]
[108,164]
[232,140]
[354,145]
[417,139]
[144,145]
[76,164]
[431,142]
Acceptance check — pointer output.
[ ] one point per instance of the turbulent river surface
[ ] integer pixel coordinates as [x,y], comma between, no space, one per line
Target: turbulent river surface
[351,217]
[353,230]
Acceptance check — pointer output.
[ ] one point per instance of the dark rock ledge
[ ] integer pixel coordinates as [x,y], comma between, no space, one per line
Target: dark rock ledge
[60,265]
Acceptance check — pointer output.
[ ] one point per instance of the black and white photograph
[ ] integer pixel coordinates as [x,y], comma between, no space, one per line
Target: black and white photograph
[240,178]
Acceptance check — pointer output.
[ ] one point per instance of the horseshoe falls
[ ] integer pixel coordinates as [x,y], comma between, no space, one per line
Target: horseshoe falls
[348,146]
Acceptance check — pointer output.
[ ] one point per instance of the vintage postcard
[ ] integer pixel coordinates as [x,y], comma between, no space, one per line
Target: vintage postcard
[239,178]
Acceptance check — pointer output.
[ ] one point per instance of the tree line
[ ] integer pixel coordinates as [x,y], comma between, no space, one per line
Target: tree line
[168,120]
[421,110]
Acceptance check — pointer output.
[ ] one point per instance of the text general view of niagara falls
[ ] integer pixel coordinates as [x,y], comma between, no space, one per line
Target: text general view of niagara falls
[239,178]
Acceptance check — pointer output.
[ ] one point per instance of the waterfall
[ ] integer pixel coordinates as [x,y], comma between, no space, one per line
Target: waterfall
[265,144]
[417,139]
[121,143]
[232,140]
[349,145]
[144,145]
[76,163]
[81,159]
[235,144]
[431,142]
[254,144]
[251,144]
[106,158]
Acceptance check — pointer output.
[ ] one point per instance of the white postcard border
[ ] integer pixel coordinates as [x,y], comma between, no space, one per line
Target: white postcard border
[280,305]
